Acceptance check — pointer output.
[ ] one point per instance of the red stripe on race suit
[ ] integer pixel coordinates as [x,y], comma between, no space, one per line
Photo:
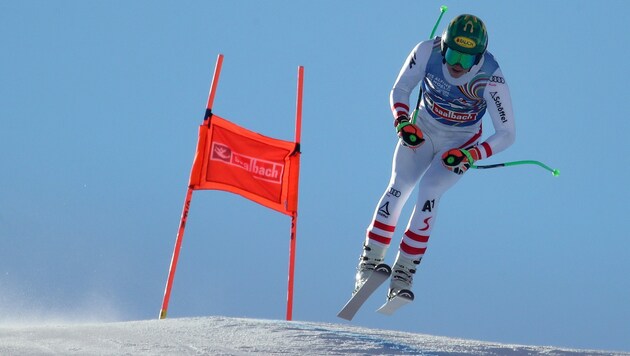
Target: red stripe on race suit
[472,139]
[378,238]
[384,227]
[412,250]
[488,149]
[419,238]
[475,153]
[401,106]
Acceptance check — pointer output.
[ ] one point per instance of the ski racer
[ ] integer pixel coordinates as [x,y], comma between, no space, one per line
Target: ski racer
[459,81]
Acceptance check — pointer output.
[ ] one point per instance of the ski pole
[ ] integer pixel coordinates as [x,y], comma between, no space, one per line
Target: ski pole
[443,9]
[414,115]
[554,172]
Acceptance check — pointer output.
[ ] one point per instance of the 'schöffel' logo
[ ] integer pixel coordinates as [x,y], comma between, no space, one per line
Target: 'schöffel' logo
[465,42]
[497,102]
[259,168]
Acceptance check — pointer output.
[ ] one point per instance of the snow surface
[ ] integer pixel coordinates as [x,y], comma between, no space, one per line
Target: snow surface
[237,336]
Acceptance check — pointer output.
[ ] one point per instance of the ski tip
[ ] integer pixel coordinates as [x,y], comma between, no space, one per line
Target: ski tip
[343,316]
[394,303]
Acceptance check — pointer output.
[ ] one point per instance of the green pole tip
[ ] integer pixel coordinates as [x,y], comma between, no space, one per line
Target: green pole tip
[443,8]
[555,172]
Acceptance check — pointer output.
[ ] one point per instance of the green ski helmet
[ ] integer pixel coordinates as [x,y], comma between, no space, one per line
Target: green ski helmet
[467,38]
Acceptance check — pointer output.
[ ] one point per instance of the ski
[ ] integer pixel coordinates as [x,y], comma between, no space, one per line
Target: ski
[401,299]
[381,274]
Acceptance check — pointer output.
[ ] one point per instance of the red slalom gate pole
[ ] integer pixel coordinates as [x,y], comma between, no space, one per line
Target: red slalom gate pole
[292,245]
[188,199]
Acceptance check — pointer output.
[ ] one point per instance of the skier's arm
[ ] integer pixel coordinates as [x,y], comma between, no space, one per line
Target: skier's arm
[408,78]
[497,95]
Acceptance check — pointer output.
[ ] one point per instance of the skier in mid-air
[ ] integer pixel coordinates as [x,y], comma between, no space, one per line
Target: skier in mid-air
[459,80]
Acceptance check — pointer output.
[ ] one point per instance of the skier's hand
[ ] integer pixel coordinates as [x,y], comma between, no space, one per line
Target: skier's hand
[409,133]
[458,160]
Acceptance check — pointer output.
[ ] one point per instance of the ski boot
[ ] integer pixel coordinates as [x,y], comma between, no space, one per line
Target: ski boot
[371,257]
[402,277]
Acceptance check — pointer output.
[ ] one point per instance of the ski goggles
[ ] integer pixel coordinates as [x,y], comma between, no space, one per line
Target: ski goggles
[453,57]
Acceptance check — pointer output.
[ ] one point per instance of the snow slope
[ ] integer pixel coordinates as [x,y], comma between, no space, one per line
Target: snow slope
[234,336]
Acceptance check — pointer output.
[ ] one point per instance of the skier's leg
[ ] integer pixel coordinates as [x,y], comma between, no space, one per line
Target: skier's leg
[435,182]
[407,167]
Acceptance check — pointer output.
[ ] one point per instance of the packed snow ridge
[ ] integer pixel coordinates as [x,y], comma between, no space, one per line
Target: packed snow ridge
[235,336]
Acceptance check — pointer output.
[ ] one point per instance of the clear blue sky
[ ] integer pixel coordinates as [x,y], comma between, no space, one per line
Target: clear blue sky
[100,104]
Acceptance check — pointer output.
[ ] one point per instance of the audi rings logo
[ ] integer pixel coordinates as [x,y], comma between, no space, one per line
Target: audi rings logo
[497,79]
[394,192]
